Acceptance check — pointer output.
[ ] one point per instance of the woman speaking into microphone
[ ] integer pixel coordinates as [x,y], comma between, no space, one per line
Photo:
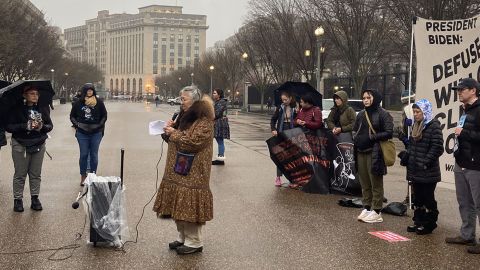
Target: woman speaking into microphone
[184,193]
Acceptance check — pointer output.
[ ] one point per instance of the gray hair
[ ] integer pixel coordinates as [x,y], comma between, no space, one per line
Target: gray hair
[193,92]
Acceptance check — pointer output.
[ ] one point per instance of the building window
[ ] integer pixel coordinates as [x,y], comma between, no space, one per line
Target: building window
[128,86]
[180,50]
[140,85]
[180,61]
[116,84]
[134,85]
[164,54]
[122,86]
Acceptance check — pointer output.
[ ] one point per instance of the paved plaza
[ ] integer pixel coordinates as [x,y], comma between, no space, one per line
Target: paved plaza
[255,225]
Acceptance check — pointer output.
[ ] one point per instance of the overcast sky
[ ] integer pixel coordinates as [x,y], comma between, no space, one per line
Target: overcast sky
[223,16]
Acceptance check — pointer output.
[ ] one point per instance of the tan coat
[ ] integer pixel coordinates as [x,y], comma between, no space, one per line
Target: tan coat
[188,197]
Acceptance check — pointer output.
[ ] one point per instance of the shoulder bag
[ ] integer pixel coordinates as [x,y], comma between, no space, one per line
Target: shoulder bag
[388,146]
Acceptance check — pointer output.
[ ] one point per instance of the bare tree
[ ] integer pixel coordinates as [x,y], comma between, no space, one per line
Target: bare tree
[357,29]
[25,37]
[403,11]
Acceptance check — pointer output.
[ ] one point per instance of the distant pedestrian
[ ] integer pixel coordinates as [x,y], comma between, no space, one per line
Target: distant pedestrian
[467,164]
[29,125]
[184,193]
[342,116]
[282,119]
[222,128]
[309,116]
[269,103]
[372,125]
[88,116]
[157,101]
[423,166]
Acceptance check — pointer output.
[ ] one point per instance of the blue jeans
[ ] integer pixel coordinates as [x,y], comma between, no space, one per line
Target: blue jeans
[89,145]
[221,146]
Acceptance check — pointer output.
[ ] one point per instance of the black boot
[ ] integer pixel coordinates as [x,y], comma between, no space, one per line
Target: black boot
[18,205]
[431,217]
[36,204]
[418,219]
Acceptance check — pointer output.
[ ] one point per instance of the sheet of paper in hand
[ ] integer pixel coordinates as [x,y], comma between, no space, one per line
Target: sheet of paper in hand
[156,127]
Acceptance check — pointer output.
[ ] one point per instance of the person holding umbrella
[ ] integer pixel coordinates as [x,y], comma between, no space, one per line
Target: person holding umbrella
[29,125]
[88,116]
[283,119]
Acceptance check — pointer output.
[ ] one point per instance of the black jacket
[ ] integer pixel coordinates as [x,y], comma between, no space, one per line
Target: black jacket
[382,123]
[88,120]
[423,166]
[17,125]
[3,138]
[468,152]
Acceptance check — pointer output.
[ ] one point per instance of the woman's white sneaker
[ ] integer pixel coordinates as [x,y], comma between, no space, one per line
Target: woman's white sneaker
[373,217]
[362,215]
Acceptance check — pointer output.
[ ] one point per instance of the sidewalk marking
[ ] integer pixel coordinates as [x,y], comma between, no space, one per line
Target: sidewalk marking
[389,236]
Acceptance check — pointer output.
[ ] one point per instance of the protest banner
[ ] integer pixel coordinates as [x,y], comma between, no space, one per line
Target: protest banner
[304,158]
[446,51]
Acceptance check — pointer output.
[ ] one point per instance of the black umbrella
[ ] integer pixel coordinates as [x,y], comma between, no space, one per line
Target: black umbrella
[298,89]
[12,95]
[4,84]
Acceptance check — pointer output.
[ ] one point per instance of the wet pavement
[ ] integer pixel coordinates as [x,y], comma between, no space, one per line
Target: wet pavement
[255,225]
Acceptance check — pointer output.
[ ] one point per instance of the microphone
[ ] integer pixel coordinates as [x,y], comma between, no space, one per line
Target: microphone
[76,204]
[175,114]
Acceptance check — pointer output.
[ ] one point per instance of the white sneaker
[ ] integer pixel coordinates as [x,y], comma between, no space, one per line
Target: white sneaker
[373,217]
[362,215]
[221,158]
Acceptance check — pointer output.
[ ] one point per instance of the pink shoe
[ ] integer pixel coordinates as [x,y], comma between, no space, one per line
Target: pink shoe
[278,182]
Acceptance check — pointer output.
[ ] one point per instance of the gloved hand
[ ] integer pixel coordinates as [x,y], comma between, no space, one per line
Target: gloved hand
[405,141]
[408,122]
[403,155]
[373,137]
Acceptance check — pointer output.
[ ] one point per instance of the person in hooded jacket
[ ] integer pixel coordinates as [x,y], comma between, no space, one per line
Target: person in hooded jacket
[342,116]
[423,167]
[29,125]
[222,129]
[88,116]
[368,154]
[283,119]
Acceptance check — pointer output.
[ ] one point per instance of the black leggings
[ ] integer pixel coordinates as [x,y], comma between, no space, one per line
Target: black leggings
[425,195]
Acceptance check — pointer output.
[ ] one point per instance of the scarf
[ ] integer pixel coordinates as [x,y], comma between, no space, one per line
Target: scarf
[417,130]
[91,101]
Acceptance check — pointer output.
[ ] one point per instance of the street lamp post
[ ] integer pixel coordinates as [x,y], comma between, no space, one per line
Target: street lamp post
[319,34]
[211,79]
[66,88]
[245,83]
[53,82]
